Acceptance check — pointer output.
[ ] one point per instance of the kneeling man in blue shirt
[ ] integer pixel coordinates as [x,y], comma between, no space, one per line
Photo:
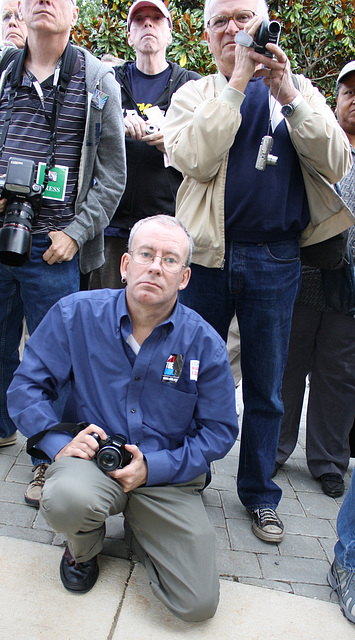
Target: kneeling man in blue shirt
[142,365]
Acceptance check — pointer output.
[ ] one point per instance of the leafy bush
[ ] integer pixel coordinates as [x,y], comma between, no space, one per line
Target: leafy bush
[318,37]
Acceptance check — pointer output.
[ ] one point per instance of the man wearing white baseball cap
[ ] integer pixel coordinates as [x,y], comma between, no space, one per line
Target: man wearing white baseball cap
[147,86]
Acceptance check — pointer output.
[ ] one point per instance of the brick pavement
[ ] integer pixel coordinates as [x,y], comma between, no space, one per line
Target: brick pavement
[298,565]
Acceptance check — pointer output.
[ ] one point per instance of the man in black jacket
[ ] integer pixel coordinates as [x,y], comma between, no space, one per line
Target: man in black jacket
[147,86]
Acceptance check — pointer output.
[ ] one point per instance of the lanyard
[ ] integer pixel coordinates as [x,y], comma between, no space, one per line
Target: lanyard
[60,85]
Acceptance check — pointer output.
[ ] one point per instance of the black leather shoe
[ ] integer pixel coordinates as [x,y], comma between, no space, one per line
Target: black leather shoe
[78,576]
[332,484]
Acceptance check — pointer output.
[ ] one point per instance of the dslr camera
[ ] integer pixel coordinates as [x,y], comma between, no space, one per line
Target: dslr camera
[24,199]
[267,32]
[111,453]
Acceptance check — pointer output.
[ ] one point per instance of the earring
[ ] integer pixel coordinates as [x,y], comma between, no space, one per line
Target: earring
[123,280]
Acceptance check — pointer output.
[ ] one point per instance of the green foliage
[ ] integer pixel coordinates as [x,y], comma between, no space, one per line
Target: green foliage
[318,37]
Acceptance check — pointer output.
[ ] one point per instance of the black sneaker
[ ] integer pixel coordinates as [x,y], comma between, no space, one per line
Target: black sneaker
[343,582]
[332,484]
[267,525]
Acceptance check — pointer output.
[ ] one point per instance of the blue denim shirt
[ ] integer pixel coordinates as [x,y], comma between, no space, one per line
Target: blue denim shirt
[175,399]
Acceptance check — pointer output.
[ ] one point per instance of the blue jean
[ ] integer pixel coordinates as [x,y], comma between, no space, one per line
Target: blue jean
[345,547]
[260,283]
[28,291]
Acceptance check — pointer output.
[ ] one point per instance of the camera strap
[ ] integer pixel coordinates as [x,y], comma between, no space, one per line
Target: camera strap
[61,79]
[69,427]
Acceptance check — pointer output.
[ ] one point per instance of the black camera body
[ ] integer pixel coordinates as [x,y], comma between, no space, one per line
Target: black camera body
[267,32]
[112,454]
[24,199]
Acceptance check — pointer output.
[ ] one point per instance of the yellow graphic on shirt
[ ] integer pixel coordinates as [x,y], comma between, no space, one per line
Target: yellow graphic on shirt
[142,106]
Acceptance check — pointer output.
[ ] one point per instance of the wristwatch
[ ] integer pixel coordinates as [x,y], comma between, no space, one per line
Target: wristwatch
[288,109]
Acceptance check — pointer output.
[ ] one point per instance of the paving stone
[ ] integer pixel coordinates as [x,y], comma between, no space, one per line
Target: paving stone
[268,584]
[317,505]
[243,539]
[216,516]
[211,497]
[222,539]
[311,591]
[237,564]
[290,506]
[301,547]
[288,569]
[328,546]
[232,506]
[303,481]
[16,514]
[39,520]
[282,481]
[20,473]
[59,540]
[6,462]
[12,492]
[115,527]
[308,526]
[24,533]
[225,483]
[227,467]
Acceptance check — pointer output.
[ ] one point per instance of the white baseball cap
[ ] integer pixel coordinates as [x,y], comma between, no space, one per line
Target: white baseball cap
[345,70]
[139,4]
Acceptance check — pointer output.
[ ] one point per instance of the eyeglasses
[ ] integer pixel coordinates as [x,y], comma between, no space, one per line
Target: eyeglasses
[11,14]
[169,263]
[220,23]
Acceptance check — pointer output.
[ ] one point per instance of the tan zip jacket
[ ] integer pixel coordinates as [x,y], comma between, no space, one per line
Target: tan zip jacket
[200,127]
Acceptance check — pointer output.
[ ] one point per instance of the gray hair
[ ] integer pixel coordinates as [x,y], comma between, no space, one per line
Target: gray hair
[262,10]
[168,221]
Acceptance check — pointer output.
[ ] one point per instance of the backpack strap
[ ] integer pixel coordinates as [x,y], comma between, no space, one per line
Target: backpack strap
[69,427]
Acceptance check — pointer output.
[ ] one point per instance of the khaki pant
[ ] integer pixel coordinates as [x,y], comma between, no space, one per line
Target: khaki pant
[168,529]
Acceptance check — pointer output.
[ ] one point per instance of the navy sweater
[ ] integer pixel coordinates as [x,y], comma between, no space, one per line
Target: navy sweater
[270,205]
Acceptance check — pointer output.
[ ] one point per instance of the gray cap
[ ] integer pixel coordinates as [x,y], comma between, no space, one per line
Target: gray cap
[345,70]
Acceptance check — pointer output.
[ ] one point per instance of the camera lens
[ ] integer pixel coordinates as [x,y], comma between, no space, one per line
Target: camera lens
[109,459]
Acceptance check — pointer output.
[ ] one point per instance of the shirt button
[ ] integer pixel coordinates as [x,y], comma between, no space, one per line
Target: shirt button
[133,411]
[137,378]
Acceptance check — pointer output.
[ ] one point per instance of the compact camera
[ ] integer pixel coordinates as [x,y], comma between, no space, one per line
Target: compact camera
[265,157]
[267,32]
[111,454]
[24,199]
[151,128]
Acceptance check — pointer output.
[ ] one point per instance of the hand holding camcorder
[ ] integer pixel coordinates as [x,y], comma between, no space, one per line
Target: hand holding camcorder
[267,32]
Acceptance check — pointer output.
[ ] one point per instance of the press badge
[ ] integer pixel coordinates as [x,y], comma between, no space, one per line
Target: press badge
[57,181]
[194,368]
[173,368]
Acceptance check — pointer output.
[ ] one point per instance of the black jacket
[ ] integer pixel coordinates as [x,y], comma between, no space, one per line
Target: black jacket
[151,188]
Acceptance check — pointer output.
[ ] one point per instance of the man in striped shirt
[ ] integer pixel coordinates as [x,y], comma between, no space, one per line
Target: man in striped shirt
[78,142]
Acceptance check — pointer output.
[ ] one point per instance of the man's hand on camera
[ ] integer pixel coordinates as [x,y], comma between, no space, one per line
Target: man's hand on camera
[83,445]
[155,140]
[134,126]
[62,249]
[244,66]
[135,473]
[276,72]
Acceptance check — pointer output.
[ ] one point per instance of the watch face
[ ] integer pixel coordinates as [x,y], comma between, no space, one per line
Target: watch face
[287,110]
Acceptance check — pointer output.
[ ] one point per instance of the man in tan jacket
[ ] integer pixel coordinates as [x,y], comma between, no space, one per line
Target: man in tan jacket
[259,150]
